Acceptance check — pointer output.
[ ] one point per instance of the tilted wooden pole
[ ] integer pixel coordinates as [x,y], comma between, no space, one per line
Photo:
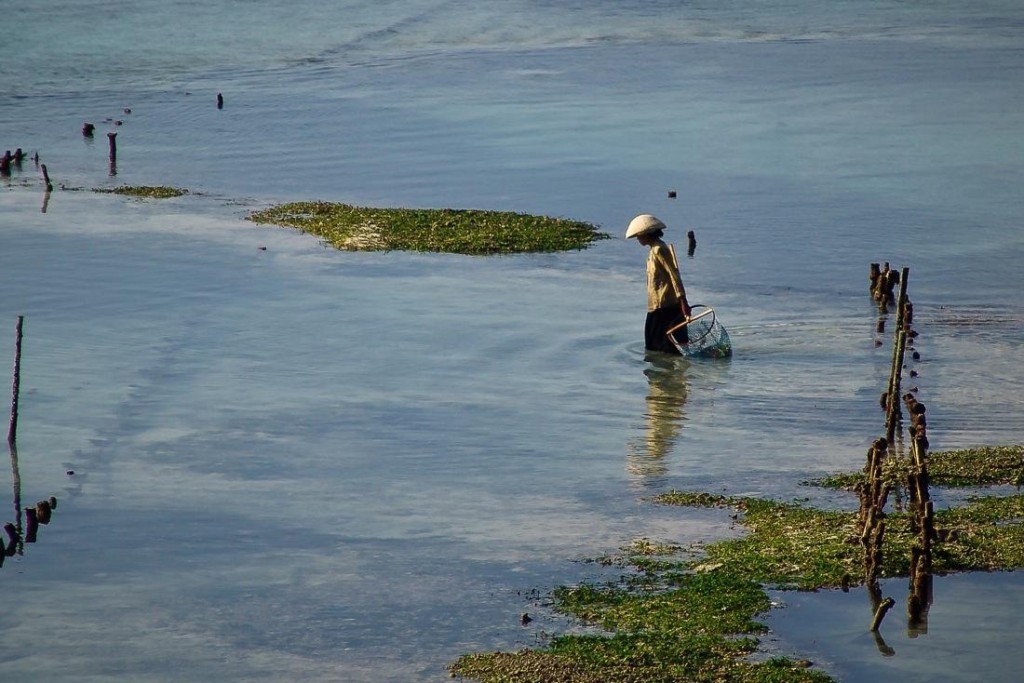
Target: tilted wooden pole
[12,432]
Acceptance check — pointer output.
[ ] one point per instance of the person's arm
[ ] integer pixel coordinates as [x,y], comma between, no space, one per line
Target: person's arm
[683,303]
[668,257]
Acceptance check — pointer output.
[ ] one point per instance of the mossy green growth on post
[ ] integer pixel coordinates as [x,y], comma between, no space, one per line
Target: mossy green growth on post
[456,231]
[146,191]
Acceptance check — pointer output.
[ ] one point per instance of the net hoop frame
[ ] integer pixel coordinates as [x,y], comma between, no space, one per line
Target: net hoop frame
[708,311]
[694,345]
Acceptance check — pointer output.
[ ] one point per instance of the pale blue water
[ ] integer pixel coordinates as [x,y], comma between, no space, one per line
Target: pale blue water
[299,464]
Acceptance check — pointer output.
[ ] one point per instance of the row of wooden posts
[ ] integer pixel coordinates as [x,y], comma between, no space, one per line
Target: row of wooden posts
[19,533]
[11,161]
[874,491]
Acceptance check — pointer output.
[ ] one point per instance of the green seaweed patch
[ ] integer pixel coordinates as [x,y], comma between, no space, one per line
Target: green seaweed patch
[792,546]
[146,191]
[962,468]
[666,621]
[647,547]
[983,466]
[696,619]
[455,231]
[681,627]
[840,481]
[788,545]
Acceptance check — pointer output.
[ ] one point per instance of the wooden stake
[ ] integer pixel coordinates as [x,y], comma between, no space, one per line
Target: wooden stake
[12,432]
[46,179]
[44,511]
[31,525]
[899,350]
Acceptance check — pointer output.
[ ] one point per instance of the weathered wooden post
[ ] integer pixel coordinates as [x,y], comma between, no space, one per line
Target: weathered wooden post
[44,511]
[12,432]
[112,137]
[46,178]
[31,525]
[878,281]
[899,351]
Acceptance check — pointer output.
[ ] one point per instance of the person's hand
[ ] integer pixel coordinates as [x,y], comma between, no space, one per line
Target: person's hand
[686,309]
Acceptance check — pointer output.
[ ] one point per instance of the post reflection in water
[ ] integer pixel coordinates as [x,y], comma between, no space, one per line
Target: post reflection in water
[24,529]
[663,417]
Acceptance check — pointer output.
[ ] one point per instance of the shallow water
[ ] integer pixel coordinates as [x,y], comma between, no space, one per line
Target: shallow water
[969,624]
[304,464]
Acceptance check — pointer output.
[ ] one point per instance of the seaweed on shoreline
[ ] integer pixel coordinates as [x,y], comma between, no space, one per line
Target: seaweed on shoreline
[696,618]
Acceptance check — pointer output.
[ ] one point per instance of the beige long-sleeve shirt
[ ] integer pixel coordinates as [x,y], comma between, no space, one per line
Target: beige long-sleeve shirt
[664,286]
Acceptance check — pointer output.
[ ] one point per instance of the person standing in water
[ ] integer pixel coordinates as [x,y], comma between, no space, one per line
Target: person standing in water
[666,297]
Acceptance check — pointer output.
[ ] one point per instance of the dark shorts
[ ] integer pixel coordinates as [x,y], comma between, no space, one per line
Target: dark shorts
[659,322]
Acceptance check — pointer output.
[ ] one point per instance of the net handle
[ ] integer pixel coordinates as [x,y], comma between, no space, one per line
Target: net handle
[709,311]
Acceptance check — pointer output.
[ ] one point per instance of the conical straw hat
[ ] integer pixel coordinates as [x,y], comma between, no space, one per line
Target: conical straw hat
[643,224]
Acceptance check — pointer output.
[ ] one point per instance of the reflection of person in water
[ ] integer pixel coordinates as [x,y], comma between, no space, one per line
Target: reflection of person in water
[663,419]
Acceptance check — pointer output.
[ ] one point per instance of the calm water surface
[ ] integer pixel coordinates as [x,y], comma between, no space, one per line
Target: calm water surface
[292,463]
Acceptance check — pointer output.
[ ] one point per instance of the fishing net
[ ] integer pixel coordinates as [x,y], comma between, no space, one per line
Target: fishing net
[701,335]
